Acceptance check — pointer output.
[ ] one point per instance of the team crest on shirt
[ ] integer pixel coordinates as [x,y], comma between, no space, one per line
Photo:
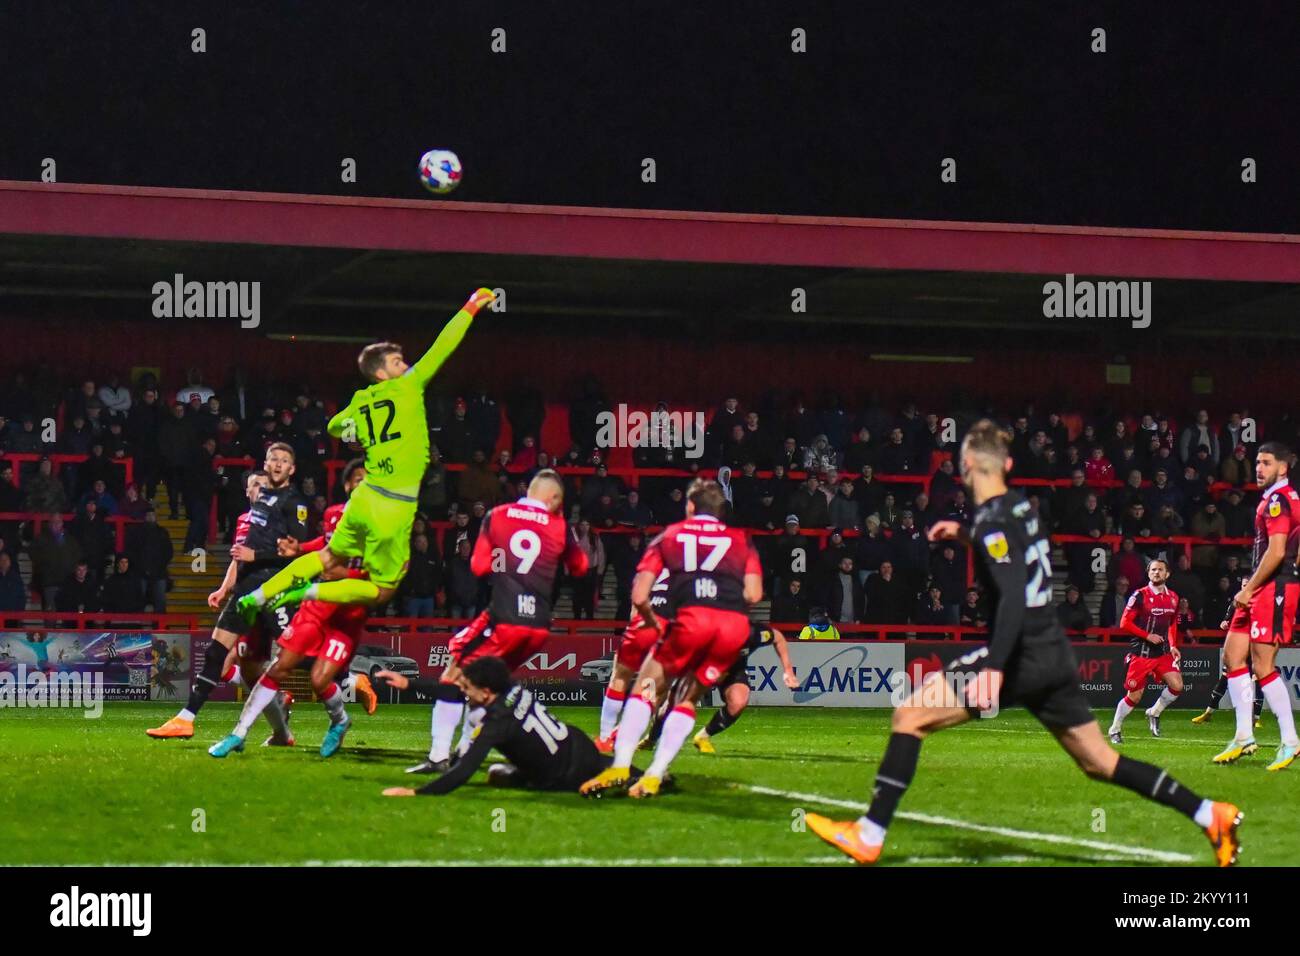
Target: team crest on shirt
[996,545]
[1274,506]
[302,514]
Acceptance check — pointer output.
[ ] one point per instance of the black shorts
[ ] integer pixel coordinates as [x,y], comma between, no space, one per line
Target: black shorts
[584,763]
[270,623]
[1043,677]
[737,675]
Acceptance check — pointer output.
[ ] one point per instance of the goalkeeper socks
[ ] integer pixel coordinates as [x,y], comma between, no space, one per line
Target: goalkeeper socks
[259,697]
[892,780]
[214,660]
[1279,702]
[1167,697]
[344,591]
[677,727]
[720,721]
[1155,784]
[333,701]
[611,705]
[302,568]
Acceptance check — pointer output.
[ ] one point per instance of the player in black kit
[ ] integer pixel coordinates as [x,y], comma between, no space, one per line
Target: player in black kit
[279,512]
[544,753]
[1028,661]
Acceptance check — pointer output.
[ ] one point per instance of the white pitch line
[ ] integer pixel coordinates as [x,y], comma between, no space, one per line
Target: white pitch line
[835,860]
[1162,856]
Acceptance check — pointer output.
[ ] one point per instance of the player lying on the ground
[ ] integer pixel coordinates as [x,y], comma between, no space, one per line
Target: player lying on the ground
[714,576]
[638,639]
[1151,618]
[327,632]
[388,419]
[1221,688]
[1264,611]
[1028,660]
[276,510]
[734,687]
[520,548]
[543,753]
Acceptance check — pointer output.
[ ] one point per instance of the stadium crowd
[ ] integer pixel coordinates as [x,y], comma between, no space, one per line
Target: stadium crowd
[844,497]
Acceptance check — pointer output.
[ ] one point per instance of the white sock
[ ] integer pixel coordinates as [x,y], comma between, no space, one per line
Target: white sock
[610,708]
[1204,814]
[1278,699]
[873,834]
[258,700]
[334,705]
[1122,710]
[677,727]
[1167,697]
[473,717]
[635,720]
[237,678]
[446,715]
[185,714]
[1243,702]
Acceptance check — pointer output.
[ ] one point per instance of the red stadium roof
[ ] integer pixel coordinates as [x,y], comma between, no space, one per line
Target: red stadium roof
[442,226]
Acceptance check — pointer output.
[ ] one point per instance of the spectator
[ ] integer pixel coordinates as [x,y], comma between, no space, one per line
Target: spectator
[456,436]
[789,456]
[633,512]
[1129,562]
[1197,434]
[721,426]
[790,604]
[1186,582]
[887,597]
[150,548]
[1218,606]
[526,457]
[143,427]
[1187,619]
[872,550]
[95,537]
[859,453]
[948,574]
[930,609]
[1167,523]
[78,593]
[1073,613]
[433,487]
[201,484]
[764,514]
[1237,470]
[819,456]
[586,588]
[895,458]
[1098,467]
[132,505]
[869,493]
[910,553]
[809,504]
[791,553]
[844,511]
[1162,492]
[1238,517]
[54,554]
[478,482]
[423,579]
[973,613]
[1135,522]
[1113,602]
[624,559]
[193,389]
[13,593]
[177,445]
[462,585]
[819,627]
[123,592]
[45,493]
[99,494]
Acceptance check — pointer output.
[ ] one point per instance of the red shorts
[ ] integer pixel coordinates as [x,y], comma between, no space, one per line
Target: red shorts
[1270,619]
[638,641]
[513,643]
[1140,670]
[704,639]
[322,629]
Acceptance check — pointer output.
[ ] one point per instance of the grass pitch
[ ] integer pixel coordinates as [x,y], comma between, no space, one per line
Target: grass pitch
[999,792]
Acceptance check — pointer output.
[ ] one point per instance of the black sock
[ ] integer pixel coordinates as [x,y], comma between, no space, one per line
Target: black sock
[1151,782]
[208,677]
[1259,700]
[720,722]
[894,777]
[657,727]
[1220,689]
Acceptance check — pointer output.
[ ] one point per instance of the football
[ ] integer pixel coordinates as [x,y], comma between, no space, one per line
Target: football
[440,171]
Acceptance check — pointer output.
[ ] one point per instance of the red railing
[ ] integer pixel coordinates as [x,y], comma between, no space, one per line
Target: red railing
[39,520]
[58,459]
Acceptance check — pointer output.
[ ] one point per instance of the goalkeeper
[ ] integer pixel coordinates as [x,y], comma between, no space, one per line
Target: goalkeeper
[388,419]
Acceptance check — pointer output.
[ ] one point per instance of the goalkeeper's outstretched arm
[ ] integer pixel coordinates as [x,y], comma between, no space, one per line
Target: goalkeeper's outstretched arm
[449,338]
